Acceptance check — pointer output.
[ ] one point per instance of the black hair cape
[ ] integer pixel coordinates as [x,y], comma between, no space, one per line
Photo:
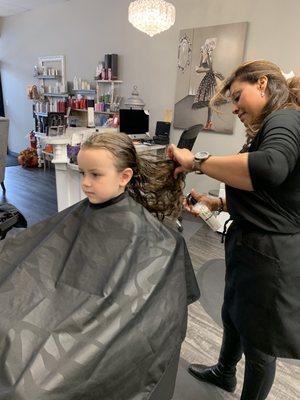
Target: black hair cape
[93,304]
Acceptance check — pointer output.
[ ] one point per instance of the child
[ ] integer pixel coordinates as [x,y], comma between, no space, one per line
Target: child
[94,300]
[109,164]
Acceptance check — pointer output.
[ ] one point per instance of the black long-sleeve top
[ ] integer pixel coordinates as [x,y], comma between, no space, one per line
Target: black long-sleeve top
[274,165]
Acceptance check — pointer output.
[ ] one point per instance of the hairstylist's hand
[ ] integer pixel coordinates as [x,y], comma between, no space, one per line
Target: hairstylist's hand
[184,157]
[211,202]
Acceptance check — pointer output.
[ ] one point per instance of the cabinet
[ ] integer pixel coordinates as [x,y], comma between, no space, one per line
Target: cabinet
[51,72]
[53,97]
[49,101]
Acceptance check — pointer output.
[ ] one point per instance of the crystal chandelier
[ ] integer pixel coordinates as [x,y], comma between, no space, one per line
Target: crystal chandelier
[151,16]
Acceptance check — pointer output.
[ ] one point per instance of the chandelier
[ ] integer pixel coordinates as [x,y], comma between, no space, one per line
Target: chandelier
[151,16]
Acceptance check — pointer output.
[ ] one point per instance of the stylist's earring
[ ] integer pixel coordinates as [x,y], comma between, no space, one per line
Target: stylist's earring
[262,94]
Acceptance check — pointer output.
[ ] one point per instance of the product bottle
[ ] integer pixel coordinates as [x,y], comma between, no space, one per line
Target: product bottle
[205,213]
[98,71]
[75,83]
[91,117]
[207,216]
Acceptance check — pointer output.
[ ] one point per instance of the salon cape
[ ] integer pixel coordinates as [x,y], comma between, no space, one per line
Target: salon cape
[93,304]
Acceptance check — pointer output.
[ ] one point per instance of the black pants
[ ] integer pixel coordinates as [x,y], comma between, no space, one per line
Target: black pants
[259,367]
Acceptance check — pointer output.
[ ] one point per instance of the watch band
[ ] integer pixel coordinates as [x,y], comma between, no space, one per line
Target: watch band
[197,164]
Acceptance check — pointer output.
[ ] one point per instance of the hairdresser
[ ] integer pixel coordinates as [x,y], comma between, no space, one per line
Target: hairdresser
[261,306]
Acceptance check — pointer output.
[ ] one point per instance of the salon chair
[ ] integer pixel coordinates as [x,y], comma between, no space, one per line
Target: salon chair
[187,141]
[10,217]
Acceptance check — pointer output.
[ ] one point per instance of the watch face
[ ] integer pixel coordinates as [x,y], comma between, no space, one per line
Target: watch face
[201,155]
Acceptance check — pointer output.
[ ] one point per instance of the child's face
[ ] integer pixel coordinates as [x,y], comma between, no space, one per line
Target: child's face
[100,179]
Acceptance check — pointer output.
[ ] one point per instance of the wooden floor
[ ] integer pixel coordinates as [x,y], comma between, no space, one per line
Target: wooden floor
[204,333]
[34,193]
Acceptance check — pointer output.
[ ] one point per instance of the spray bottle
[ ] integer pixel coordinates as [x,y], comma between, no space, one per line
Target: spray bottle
[204,212]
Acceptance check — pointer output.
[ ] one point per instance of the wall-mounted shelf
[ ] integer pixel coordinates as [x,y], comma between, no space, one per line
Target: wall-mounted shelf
[41,114]
[85,92]
[51,61]
[40,135]
[106,112]
[51,76]
[46,114]
[56,94]
[57,67]
[48,76]
[96,112]
[107,81]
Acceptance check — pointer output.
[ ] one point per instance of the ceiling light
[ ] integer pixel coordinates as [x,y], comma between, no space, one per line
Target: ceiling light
[151,16]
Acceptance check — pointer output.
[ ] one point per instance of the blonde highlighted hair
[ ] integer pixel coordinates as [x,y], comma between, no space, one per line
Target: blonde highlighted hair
[282,93]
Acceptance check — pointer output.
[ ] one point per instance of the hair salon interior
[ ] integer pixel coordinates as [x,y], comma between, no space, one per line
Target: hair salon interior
[83,63]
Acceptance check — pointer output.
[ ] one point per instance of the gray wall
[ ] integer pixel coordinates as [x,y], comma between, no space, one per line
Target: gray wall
[85,30]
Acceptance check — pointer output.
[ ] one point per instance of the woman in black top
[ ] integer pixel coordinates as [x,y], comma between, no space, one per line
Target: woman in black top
[261,310]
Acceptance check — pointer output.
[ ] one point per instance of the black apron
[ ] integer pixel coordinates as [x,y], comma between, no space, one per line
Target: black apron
[262,288]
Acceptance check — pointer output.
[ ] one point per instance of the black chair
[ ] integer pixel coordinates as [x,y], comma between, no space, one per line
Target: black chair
[162,132]
[189,136]
[10,217]
[187,141]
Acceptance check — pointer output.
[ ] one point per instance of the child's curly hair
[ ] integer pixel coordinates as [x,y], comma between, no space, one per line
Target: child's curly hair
[153,184]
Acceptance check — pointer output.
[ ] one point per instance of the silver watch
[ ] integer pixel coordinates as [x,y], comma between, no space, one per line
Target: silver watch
[198,160]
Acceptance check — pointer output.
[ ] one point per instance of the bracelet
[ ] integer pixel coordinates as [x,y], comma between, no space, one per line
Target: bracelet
[221,206]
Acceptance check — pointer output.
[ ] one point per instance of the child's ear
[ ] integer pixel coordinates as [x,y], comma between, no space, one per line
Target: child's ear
[125,176]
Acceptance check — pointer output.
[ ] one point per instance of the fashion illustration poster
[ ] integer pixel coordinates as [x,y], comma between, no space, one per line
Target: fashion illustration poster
[205,57]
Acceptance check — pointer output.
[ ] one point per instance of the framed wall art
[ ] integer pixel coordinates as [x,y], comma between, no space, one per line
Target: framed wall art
[205,57]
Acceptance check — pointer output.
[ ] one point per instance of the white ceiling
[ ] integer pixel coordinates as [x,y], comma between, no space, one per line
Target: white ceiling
[11,7]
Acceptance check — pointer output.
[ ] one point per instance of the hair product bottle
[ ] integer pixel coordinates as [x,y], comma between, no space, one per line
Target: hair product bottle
[204,212]
[90,113]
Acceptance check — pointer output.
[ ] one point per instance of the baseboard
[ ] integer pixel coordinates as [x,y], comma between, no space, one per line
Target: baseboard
[12,153]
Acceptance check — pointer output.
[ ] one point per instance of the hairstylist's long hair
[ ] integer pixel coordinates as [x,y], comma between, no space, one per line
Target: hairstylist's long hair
[153,184]
[282,93]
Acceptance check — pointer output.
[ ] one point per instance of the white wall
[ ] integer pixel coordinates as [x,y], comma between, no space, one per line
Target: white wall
[85,30]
